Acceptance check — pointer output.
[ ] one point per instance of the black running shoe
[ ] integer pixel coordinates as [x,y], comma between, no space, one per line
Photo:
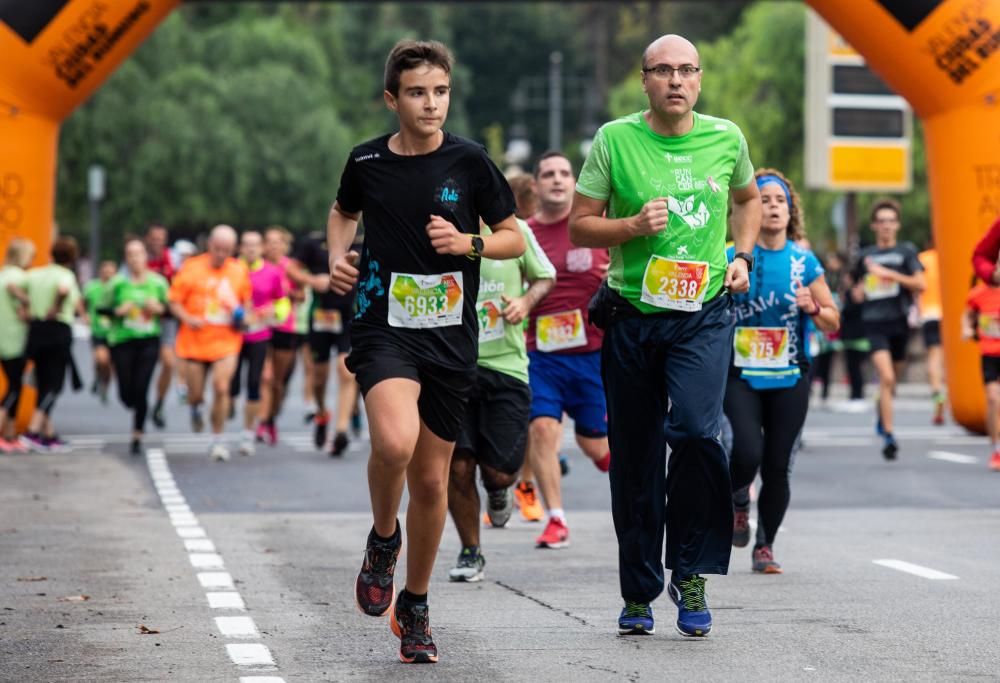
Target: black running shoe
[890,447]
[373,589]
[136,447]
[158,420]
[339,445]
[320,422]
[412,625]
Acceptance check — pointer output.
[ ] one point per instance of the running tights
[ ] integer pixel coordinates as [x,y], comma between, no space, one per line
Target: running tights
[252,356]
[13,369]
[134,363]
[765,427]
[49,346]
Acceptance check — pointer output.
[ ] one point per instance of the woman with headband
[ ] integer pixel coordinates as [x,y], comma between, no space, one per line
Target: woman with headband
[767,395]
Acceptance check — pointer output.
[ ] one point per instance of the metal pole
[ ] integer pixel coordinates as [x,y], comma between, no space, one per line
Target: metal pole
[95,236]
[555,101]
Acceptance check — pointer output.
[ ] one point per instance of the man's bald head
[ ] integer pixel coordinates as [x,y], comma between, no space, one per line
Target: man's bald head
[221,244]
[671,49]
[223,233]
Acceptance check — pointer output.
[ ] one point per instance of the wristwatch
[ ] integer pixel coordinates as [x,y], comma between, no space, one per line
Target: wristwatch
[477,247]
[746,257]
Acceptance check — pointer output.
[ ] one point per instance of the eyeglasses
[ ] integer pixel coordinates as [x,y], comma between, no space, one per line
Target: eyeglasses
[666,71]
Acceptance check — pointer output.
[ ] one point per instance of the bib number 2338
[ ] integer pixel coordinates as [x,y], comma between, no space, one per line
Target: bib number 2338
[425,301]
[676,285]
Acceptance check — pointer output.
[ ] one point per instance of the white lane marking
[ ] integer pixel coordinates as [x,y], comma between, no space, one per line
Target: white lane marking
[206,560]
[228,600]
[261,679]
[215,580]
[237,627]
[182,517]
[184,522]
[915,569]
[249,654]
[173,499]
[177,507]
[190,532]
[168,489]
[962,441]
[948,456]
[199,545]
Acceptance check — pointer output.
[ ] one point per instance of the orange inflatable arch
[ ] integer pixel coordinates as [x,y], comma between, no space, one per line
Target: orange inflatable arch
[941,55]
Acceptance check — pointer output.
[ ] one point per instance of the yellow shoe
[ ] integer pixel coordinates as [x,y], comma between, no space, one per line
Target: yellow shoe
[527,501]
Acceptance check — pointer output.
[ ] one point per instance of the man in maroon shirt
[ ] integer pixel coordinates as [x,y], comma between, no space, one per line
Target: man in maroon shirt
[564,351]
[160,262]
[984,257]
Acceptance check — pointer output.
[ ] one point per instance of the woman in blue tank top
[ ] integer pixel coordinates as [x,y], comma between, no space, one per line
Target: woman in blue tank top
[767,395]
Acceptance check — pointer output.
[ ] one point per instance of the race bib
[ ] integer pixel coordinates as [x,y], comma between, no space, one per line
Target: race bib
[104,322]
[217,314]
[137,321]
[491,322]
[880,288]
[675,285]
[989,326]
[425,301]
[327,321]
[559,331]
[760,347]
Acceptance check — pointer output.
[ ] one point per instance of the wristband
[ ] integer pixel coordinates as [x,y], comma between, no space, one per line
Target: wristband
[817,311]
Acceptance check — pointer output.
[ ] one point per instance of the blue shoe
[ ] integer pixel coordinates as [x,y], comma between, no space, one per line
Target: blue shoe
[890,447]
[693,618]
[879,427]
[636,619]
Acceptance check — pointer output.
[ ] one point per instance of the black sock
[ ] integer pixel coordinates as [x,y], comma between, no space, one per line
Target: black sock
[395,534]
[412,598]
[473,549]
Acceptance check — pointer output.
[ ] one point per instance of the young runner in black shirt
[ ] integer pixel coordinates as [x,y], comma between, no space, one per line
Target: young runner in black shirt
[414,338]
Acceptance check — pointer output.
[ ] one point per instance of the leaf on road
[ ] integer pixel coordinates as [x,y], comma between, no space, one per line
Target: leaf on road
[143,630]
[32,578]
[75,598]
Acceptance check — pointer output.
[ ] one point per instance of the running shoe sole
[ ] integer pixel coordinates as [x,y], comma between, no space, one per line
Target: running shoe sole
[553,546]
[475,578]
[889,451]
[420,658]
[636,630]
[769,569]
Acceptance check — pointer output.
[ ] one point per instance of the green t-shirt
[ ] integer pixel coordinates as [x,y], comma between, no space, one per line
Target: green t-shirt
[14,332]
[502,346]
[43,284]
[97,295]
[137,323]
[630,165]
[303,311]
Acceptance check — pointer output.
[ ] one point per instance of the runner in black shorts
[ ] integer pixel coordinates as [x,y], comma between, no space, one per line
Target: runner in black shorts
[414,339]
[887,274]
[330,316]
[495,432]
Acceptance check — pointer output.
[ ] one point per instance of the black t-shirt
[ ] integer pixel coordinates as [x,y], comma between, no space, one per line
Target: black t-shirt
[312,253]
[886,301]
[397,195]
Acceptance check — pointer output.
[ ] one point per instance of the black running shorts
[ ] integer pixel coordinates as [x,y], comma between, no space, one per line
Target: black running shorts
[932,333]
[495,430]
[991,369]
[286,341]
[891,336]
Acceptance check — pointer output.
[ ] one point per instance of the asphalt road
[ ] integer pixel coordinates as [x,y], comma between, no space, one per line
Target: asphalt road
[243,570]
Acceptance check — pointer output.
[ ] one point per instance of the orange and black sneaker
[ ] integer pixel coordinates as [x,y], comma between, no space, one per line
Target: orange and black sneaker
[411,623]
[374,590]
[995,460]
[527,501]
[320,421]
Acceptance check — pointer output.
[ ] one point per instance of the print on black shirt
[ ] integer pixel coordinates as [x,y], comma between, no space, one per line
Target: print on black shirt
[886,301]
[397,196]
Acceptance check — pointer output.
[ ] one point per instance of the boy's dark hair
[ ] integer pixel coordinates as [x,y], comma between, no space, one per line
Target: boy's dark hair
[65,251]
[409,54]
[887,203]
[552,153]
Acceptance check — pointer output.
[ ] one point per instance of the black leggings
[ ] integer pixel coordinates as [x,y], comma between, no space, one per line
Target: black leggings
[766,425]
[134,363]
[253,354]
[823,364]
[49,346]
[13,369]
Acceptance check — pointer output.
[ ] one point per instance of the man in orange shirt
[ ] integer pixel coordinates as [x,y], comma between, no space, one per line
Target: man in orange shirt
[930,319]
[209,296]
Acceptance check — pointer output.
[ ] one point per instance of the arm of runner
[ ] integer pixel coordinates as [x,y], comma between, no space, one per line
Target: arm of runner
[744,223]
[816,301]
[517,308]
[341,227]
[589,227]
[984,256]
[177,311]
[506,242]
[968,327]
[19,294]
[914,282]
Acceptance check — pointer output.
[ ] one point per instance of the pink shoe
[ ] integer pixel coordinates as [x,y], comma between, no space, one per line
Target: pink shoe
[6,447]
[272,434]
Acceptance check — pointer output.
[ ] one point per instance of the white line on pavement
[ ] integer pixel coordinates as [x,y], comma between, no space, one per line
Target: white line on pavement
[915,569]
[249,654]
[190,532]
[206,560]
[237,627]
[215,580]
[228,600]
[959,458]
[199,545]
[261,679]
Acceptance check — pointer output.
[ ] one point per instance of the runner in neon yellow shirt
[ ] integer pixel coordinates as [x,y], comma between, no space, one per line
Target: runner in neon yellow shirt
[655,189]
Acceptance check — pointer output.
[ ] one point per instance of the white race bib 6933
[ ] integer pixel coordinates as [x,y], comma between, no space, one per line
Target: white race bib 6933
[424,301]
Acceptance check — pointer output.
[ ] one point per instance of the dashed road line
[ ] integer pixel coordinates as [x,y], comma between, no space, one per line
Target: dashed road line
[221,592]
[947,456]
[915,569]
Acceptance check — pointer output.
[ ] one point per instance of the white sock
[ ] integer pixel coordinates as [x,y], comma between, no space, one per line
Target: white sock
[557,513]
[216,439]
[247,435]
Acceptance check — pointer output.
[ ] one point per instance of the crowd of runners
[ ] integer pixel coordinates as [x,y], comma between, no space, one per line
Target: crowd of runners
[475,313]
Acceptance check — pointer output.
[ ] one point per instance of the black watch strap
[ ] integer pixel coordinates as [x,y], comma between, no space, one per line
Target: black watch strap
[746,257]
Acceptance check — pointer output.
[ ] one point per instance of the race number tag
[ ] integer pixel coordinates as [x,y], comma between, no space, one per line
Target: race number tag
[327,321]
[988,326]
[217,314]
[760,347]
[559,331]
[880,288]
[425,301]
[491,322]
[676,285]
[137,321]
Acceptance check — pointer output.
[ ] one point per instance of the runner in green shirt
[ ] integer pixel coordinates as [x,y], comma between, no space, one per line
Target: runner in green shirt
[14,337]
[96,296]
[494,433]
[655,189]
[138,300]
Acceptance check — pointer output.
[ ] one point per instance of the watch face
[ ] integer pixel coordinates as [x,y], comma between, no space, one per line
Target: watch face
[477,244]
